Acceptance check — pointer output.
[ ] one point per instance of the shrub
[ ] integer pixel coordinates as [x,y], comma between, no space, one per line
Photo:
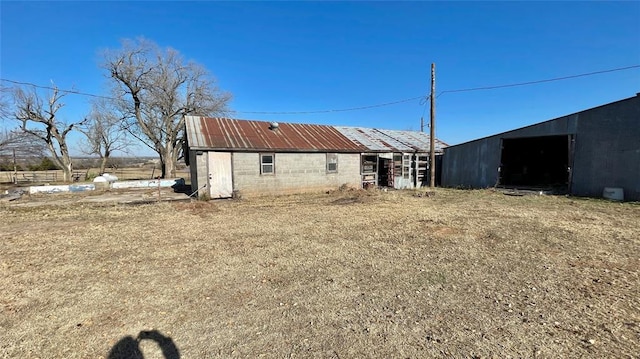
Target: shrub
[8,166]
[44,165]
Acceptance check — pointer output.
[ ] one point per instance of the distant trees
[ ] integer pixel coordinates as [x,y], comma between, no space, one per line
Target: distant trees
[39,120]
[155,88]
[17,145]
[104,133]
[152,89]
[23,144]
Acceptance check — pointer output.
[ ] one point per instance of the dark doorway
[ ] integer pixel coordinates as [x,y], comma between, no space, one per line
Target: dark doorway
[538,162]
[385,172]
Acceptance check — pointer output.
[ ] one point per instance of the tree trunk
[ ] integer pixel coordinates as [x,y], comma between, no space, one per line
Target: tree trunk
[63,161]
[103,164]
[169,161]
[68,173]
[67,170]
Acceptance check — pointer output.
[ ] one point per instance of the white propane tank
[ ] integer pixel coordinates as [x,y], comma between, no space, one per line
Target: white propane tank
[613,193]
[109,177]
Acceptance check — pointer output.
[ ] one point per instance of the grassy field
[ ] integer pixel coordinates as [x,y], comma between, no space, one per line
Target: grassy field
[349,274]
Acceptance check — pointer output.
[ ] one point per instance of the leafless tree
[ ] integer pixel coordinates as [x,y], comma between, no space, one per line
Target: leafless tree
[157,88]
[17,147]
[23,144]
[5,111]
[39,119]
[104,133]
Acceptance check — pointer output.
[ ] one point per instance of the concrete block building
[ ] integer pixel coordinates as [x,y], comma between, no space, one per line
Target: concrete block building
[257,157]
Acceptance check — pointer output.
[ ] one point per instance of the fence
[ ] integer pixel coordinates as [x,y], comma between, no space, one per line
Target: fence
[39,177]
[33,177]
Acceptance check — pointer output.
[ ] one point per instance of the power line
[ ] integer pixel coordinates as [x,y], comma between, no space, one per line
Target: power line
[58,89]
[422,98]
[252,112]
[326,111]
[539,81]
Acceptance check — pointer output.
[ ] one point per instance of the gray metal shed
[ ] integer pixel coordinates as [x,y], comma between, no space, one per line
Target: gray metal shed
[579,154]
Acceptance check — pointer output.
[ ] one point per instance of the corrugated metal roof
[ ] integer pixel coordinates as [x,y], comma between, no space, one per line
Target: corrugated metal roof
[391,140]
[232,134]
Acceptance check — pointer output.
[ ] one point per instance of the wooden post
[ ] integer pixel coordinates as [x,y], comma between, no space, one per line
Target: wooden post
[15,168]
[432,133]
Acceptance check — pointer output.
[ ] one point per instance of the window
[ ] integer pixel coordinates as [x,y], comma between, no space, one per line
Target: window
[332,162]
[369,163]
[397,165]
[406,166]
[267,164]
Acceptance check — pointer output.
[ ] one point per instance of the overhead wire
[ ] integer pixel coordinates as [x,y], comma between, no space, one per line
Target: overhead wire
[423,99]
[539,81]
[74,92]
[326,111]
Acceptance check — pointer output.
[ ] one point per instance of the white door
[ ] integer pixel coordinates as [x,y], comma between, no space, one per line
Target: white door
[220,181]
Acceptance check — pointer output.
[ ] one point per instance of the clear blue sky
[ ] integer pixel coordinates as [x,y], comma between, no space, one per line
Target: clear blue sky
[306,56]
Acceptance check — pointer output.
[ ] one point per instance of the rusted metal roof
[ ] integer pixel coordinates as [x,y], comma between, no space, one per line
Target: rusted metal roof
[244,135]
[230,134]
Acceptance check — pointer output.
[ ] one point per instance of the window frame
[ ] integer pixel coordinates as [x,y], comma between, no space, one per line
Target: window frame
[406,166]
[272,164]
[329,158]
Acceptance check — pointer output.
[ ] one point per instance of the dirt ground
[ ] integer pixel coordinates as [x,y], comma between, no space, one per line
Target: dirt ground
[346,274]
[131,196]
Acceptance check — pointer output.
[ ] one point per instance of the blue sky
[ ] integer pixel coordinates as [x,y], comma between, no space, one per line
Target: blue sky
[308,56]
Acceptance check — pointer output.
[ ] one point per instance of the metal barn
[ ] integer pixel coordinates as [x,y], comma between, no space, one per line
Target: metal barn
[227,156]
[580,154]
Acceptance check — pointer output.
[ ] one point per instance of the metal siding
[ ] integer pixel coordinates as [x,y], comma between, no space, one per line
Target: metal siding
[606,153]
[607,150]
[473,165]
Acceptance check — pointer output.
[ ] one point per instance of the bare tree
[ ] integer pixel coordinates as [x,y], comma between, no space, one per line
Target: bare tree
[7,140]
[5,111]
[40,120]
[104,133]
[23,144]
[17,147]
[157,88]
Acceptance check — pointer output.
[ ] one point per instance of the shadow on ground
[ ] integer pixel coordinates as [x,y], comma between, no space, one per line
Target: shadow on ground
[129,347]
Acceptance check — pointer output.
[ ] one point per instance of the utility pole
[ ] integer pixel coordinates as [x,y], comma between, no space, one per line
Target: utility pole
[432,132]
[421,124]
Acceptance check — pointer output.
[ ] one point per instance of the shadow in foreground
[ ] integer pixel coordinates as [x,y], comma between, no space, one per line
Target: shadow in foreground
[129,347]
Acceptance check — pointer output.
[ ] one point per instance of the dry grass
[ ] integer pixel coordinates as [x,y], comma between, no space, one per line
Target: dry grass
[341,275]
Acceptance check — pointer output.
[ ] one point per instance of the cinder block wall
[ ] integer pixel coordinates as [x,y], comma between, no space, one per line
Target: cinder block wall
[294,172]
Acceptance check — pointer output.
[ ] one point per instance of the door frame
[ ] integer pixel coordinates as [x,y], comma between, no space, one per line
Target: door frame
[220,174]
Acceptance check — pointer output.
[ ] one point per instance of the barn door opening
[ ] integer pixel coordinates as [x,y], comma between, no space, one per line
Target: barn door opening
[220,178]
[536,162]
